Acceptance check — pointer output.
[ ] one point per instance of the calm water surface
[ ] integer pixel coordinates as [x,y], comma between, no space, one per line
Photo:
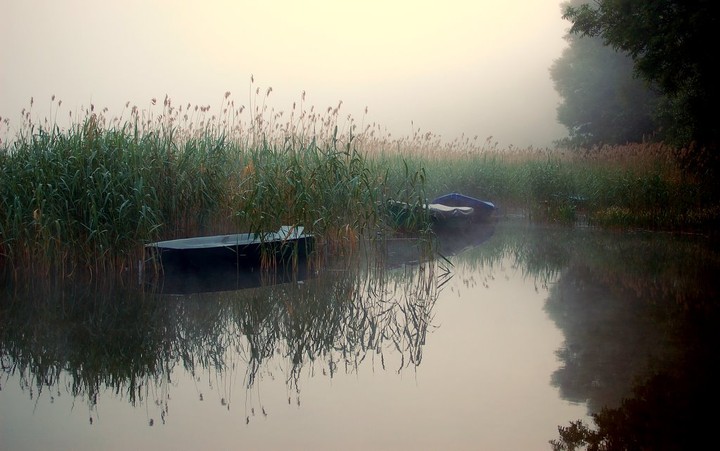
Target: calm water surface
[520,330]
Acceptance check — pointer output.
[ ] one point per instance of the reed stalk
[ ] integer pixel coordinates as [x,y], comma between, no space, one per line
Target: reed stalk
[84,199]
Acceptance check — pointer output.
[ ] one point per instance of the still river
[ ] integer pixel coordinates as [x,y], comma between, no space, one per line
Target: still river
[517,331]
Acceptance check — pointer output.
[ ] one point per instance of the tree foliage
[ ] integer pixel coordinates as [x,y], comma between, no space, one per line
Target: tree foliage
[671,44]
[603,102]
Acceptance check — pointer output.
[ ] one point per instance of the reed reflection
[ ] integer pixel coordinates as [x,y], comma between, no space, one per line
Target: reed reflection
[83,341]
[637,311]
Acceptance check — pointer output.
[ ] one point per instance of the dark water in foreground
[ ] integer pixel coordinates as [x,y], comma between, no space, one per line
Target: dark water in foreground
[521,330]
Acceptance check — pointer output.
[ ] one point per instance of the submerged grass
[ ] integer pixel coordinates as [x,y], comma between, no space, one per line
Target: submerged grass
[84,199]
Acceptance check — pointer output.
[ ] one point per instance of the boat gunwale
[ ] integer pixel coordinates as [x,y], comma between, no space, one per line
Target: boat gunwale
[284,234]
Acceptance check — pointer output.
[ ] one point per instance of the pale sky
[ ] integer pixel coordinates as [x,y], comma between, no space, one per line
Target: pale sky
[447,67]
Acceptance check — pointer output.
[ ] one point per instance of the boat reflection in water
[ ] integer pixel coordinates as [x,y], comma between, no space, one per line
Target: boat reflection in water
[228,262]
[210,264]
[185,281]
[133,342]
[622,325]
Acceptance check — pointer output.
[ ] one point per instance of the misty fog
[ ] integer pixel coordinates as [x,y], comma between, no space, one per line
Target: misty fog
[450,68]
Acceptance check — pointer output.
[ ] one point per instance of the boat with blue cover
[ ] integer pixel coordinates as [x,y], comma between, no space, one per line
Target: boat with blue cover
[482,210]
[450,211]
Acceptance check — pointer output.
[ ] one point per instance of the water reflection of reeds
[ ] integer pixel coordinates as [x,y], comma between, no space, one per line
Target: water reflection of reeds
[85,341]
[628,305]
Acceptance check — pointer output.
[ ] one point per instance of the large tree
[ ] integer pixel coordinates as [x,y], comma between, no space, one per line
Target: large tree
[603,102]
[672,45]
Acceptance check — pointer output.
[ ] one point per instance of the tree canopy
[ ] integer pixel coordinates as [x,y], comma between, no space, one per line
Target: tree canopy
[603,101]
[671,45]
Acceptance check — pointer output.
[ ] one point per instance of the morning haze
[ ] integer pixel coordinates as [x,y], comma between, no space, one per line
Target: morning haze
[450,68]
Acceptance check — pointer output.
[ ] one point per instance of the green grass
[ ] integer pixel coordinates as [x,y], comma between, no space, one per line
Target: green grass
[83,200]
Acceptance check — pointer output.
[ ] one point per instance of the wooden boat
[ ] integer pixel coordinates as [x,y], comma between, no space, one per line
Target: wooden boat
[243,250]
[482,210]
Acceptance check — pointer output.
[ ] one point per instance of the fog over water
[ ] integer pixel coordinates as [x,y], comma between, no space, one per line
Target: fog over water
[450,68]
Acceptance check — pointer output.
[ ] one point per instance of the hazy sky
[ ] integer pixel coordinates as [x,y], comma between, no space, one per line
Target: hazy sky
[448,67]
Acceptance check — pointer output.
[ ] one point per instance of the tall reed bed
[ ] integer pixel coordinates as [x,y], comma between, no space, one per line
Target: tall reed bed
[635,185]
[85,198]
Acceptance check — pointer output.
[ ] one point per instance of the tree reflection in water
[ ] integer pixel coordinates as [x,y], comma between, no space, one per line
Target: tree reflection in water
[638,312]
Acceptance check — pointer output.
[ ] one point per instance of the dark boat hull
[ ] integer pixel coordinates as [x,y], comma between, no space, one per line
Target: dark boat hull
[246,251]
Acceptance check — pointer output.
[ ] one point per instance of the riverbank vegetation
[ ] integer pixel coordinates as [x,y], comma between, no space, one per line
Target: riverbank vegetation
[85,198]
